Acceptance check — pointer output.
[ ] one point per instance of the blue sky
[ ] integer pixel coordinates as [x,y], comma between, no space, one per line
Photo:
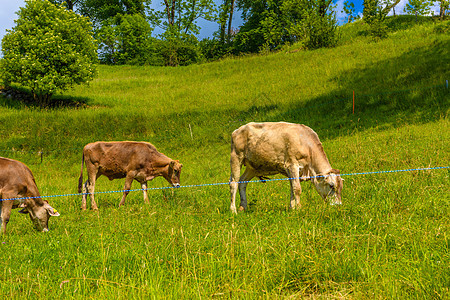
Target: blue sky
[9,7]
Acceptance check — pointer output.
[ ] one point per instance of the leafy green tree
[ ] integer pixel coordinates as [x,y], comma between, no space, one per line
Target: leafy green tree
[69,4]
[444,6]
[374,14]
[126,39]
[349,10]
[99,11]
[320,24]
[377,9]
[178,44]
[179,17]
[225,15]
[420,7]
[49,49]
[272,23]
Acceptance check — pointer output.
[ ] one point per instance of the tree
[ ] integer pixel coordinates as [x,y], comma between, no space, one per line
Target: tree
[226,11]
[420,7]
[179,17]
[272,23]
[374,14]
[126,39]
[101,10]
[349,10]
[443,6]
[377,9]
[49,49]
[69,4]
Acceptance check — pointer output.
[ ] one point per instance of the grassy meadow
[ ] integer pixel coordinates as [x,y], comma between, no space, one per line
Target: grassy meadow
[389,239]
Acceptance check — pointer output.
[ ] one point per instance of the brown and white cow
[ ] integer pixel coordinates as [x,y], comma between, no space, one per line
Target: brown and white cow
[292,150]
[17,181]
[138,161]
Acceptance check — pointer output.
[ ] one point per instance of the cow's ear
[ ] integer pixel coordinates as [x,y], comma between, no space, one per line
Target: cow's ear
[172,163]
[51,210]
[181,165]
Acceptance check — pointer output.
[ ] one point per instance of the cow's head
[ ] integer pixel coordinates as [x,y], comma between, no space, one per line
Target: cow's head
[330,186]
[174,172]
[39,214]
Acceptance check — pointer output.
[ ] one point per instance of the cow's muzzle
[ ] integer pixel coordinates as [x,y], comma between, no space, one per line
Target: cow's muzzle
[176,185]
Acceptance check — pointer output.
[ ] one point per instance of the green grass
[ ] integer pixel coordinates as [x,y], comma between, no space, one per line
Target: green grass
[389,239]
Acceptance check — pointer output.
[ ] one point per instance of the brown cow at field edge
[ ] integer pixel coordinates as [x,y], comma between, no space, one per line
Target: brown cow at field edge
[17,181]
[292,150]
[138,161]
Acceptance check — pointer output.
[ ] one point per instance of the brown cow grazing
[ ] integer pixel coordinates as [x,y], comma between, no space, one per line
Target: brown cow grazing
[17,181]
[130,160]
[292,150]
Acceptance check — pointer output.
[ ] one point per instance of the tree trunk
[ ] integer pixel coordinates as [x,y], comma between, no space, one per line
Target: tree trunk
[170,11]
[442,10]
[69,5]
[191,18]
[230,19]
[388,7]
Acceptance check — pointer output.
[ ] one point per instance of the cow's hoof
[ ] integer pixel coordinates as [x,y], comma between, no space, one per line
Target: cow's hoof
[241,208]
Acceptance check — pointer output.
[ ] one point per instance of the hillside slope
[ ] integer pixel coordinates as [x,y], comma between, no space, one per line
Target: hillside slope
[389,239]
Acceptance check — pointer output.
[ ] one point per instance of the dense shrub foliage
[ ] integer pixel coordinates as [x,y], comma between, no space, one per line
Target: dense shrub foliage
[49,49]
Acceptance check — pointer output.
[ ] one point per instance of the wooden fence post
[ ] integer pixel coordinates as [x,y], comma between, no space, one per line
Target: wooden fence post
[353,102]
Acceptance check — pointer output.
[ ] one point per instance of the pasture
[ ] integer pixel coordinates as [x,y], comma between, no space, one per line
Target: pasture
[389,239]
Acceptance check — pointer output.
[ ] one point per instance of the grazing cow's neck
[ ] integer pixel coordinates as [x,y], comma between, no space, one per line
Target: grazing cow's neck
[161,161]
[320,164]
[160,165]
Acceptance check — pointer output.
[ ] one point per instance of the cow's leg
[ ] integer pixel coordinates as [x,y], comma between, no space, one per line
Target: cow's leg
[144,189]
[89,186]
[249,173]
[128,182]
[296,188]
[6,211]
[84,191]
[235,164]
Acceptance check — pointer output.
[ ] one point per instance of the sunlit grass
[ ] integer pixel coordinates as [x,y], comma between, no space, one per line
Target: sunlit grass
[387,240]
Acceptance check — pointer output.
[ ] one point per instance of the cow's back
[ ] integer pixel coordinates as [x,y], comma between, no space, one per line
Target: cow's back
[118,157]
[16,175]
[274,143]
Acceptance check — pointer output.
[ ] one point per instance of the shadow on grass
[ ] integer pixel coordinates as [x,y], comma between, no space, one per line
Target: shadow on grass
[18,98]
[391,93]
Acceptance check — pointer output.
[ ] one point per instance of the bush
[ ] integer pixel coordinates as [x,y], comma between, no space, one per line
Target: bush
[213,49]
[179,50]
[49,49]
[378,29]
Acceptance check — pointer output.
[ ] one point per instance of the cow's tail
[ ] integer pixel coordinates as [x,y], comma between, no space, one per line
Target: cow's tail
[80,180]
